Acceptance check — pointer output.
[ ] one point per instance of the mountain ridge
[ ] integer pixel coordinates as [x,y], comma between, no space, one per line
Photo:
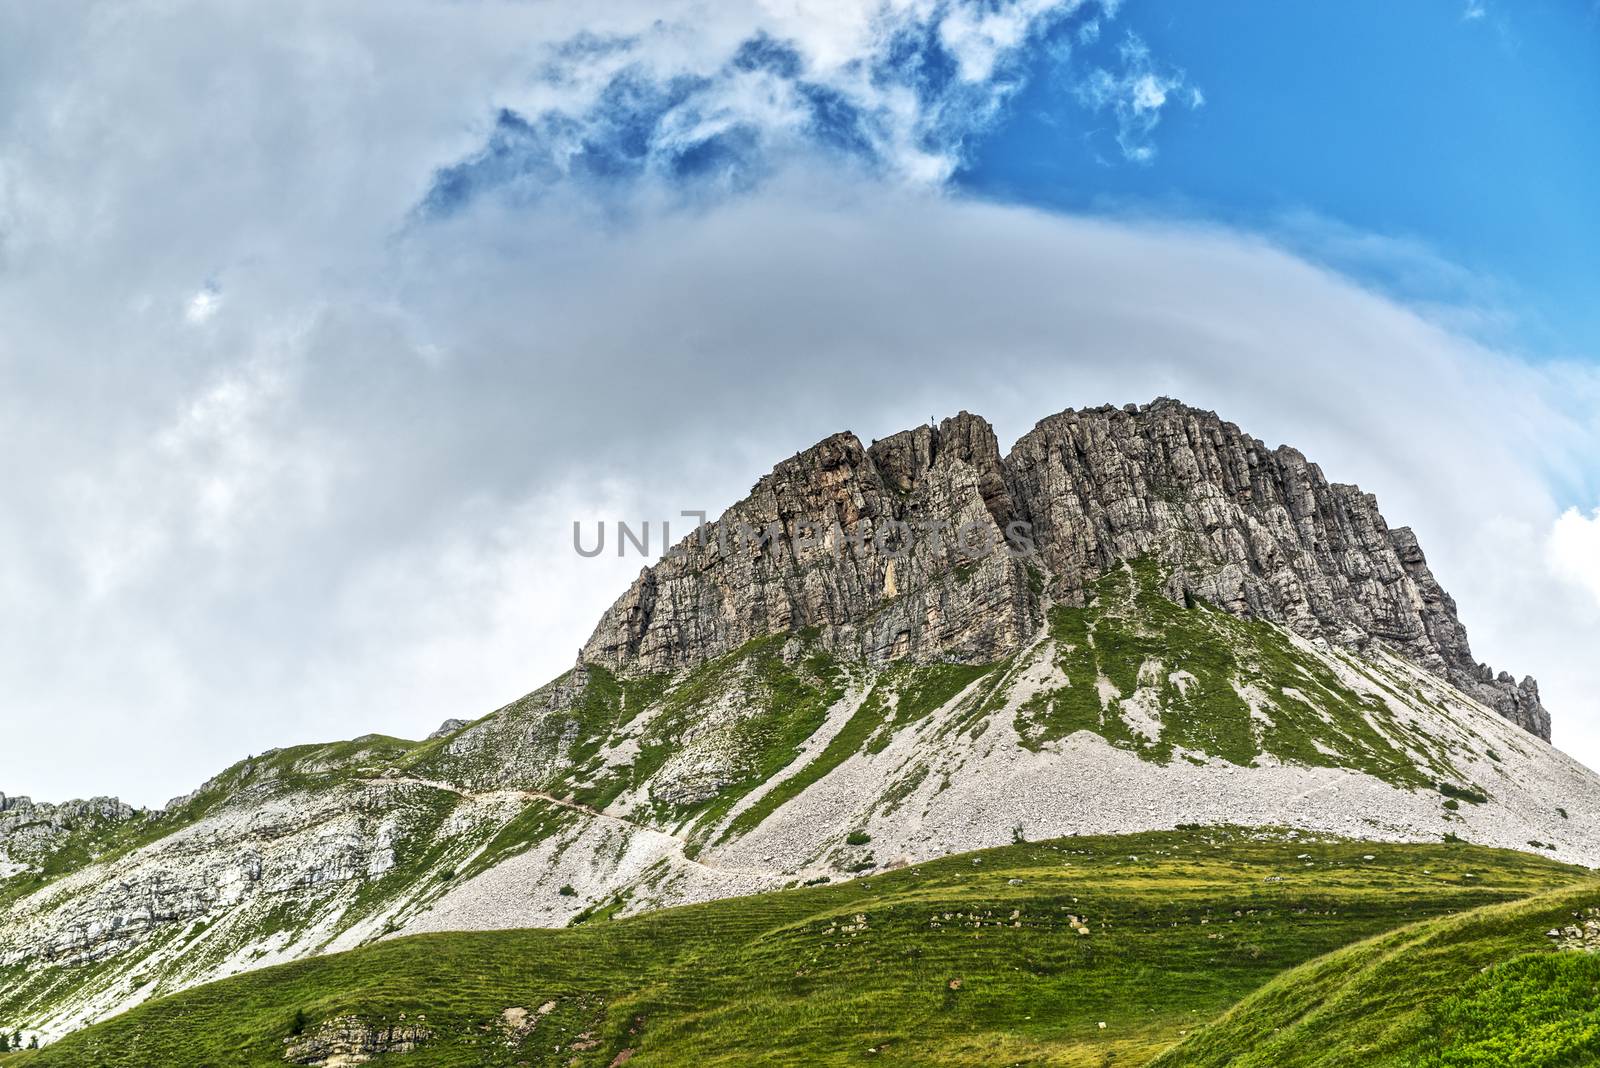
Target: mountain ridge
[1260,532]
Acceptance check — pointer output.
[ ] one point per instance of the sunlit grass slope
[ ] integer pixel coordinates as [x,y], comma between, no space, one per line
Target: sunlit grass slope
[1483,989]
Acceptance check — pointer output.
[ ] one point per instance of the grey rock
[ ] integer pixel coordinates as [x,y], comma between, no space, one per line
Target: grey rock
[1258,531]
[353,1040]
[448,727]
[902,590]
[30,832]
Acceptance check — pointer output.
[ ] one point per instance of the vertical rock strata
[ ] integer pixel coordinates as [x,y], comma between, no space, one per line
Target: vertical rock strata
[898,549]
[783,559]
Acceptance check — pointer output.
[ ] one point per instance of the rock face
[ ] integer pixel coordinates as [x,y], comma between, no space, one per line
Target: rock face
[447,728]
[930,545]
[1258,531]
[783,559]
[352,1040]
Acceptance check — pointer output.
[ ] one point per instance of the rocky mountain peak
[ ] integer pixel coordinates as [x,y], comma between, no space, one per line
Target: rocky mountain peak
[930,544]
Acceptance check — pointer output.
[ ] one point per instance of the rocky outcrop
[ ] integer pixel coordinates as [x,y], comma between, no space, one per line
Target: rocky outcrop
[1581,935]
[447,728]
[930,545]
[30,832]
[893,550]
[353,1040]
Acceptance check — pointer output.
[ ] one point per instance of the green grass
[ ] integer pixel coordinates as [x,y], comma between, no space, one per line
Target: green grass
[1482,988]
[1537,1009]
[969,960]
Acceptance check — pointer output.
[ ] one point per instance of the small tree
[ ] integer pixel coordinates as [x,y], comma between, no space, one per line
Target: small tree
[5,1042]
[299,1025]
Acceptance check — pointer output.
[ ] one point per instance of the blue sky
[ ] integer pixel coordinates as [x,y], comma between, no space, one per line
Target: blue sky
[1476,137]
[323,323]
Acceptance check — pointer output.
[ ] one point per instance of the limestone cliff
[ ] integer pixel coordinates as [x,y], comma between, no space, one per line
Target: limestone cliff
[905,548]
[902,589]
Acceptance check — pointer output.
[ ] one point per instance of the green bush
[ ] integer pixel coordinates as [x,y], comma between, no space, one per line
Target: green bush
[1470,794]
[1537,1010]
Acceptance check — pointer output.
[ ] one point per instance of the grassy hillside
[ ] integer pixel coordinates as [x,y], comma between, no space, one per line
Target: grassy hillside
[1085,951]
[1478,989]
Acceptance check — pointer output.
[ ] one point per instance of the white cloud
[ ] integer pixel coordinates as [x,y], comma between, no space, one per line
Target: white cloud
[898,85]
[980,36]
[1574,550]
[1136,96]
[1475,9]
[203,305]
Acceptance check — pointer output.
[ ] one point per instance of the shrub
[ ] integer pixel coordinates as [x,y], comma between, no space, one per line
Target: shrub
[857,838]
[568,891]
[1470,794]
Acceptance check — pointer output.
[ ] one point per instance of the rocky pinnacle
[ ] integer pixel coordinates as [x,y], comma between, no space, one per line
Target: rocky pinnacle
[897,549]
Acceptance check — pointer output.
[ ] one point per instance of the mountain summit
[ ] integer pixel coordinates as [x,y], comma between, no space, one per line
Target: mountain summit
[1139,619]
[1259,532]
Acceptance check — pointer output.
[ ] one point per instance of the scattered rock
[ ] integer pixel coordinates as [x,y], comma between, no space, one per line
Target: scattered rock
[1583,934]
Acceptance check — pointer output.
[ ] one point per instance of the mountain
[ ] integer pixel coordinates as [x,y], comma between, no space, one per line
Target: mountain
[1256,531]
[1139,618]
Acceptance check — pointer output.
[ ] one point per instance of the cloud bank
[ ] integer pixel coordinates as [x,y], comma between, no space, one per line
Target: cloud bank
[293,440]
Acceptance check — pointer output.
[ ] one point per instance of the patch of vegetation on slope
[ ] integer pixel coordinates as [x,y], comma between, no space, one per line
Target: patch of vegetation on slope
[902,696]
[1488,987]
[749,711]
[1018,954]
[1196,670]
[592,736]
